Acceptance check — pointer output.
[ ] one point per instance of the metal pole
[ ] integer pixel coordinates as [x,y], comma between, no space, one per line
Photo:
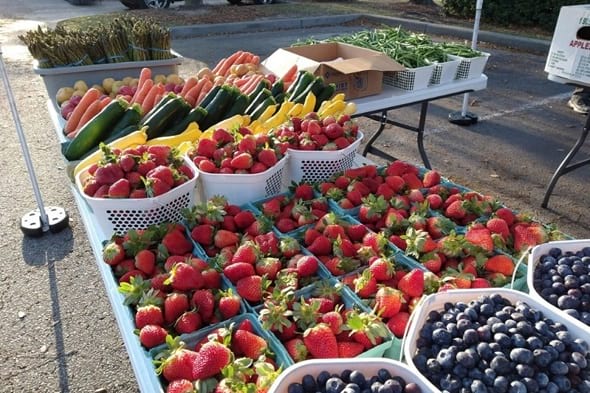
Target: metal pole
[465,117]
[58,216]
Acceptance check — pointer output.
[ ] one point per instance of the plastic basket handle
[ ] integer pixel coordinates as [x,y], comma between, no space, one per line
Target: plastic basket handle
[518,263]
[407,329]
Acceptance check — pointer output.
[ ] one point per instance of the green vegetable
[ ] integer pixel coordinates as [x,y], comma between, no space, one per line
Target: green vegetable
[260,109]
[196,115]
[131,117]
[218,106]
[159,119]
[96,130]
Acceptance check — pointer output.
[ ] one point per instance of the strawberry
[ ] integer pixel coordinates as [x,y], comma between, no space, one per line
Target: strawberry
[159,153]
[334,320]
[175,305]
[418,242]
[229,304]
[268,157]
[207,166]
[296,349]
[412,181]
[505,214]
[145,261]
[206,147]
[321,245]
[176,243]
[188,322]
[499,226]
[321,342]
[211,278]
[162,172]
[184,277]
[439,226]
[397,324]
[242,161]
[180,386]
[271,208]
[382,269]
[148,315]
[152,335]
[203,234]
[113,253]
[224,238]
[247,144]
[431,178]
[307,266]
[365,284]
[456,210]
[108,174]
[500,264]
[222,136]
[350,349]
[249,344]
[412,283]
[435,201]
[481,237]
[286,225]
[480,282]
[251,288]
[120,189]
[388,301]
[247,252]
[289,247]
[204,302]
[236,271]
[528,234]
[334,231]
[304,191]
[244,219]
[268,266]
[431,261]
[210,360]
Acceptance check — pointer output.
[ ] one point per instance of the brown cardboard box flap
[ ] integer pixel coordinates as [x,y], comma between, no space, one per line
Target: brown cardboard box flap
[369,63]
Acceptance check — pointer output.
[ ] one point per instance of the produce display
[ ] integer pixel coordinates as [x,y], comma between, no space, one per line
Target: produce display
[122,40]
[410,49]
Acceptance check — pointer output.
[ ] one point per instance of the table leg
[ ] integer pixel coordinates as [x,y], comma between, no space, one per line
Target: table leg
[565,166]
[374,137]
[420,137]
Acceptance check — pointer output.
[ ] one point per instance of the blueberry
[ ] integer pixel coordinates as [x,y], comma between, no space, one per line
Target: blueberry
[517,387]
[450,383]
[484,351]
[573,369]
[566,301]
[501,365]
[558,288]
[486,310]
[468,358]
[562,382]
[521,355]
[525,328]
[572,313]
[484,333]
[489,376]
[558,345]
[295,388]
[345,375]
[322,378]
[558,367]
[433,316]
[542,357]
[394,386]
[552,387]
[309,383]
[542,379]
[477,386]
[584,386]
[446,359]
[579,359]
[441,336]
[352,388]
[500,384]
[460,371]
[375,386]
[470,337]
[524,370]
[518,340]
[358,378]
[334,385]
[502,339]
[383,375]
[412,387]
[554,252]
[531,385]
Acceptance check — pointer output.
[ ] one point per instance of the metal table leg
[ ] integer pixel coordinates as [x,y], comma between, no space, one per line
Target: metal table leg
[565,166]
[420,137]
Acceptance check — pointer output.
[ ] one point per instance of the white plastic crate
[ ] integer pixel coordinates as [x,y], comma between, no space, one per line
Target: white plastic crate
[313,166]
[243,188]
[444,72]
[437,301]
[471,67]
[534,257]
[368,366]
[410,79]
[117,216]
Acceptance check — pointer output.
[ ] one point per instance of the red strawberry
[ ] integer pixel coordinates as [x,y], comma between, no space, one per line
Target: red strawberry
[229,304]
[499,226]
[184,277]
[249,344]
[247,144]
[268,157]
[350,349]
[176,243]
[334,320]
[159,153]
[365,285]
[268,266]
[480,236]
[289,247]
[431,178]
[506,214]
[224,238]
[272,207]
[152,335]
[397,324]
[307,266]
[148,315]
[177,365]
[431,261]
[356,232]
[251,288]
[321,245]
[304,191]
[120,189]
[382,269]
[528,234]
[222,136]
[113,253]
[206,147]
[203,234]
[236,271]
[244,219]
[412,283]
[500,264]
[175,305]
[435,201]
[155,187]
[388,301]
[211,278]
[242,161]
[188,322]
[480,282]
[439,226]
[108,174]
[162,172]
[296,349]
[246,252]
[180,386]
[210,360]
[321,342]
[204,302]
[286,225]
[456,210]
[145,261]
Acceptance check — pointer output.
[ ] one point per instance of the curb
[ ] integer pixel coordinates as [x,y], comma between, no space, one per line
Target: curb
[506,40]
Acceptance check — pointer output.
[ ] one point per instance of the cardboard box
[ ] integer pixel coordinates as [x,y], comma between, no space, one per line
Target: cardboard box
[355,71]
[569,55]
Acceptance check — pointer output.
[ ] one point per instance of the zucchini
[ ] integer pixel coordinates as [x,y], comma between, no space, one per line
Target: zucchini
[315,87]
[217,107]
[278,88]
[238,107]
[197,114]
[326,93]
[295,82]
[279,98]
[93,132]
[263,95]
[307,79]
[270,100]
[263,84]
[132,116]
[158,120]
[210,95]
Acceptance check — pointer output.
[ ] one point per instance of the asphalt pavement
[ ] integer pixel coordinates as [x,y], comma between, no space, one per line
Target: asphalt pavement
[57,331]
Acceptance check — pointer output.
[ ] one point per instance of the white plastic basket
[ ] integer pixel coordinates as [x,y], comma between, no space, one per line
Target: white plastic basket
[313,166]
[410,79]
[444,72]
[437,301]
[471,67]
[368,366]
[117,216]
[243,188]
[535,256]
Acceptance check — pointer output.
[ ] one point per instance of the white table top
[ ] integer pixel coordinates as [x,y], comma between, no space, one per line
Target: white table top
[392,97]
